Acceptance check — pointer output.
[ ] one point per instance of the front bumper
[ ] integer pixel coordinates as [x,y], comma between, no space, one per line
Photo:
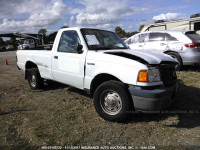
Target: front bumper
[150,100]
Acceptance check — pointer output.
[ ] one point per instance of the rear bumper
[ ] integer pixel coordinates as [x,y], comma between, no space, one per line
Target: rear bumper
[192,56]
[192,62]
[150,100]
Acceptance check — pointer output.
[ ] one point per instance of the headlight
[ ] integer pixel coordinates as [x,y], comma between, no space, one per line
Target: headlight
[151,75]
[154,75]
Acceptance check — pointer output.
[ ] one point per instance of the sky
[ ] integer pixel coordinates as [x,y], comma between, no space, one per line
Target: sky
[28,16]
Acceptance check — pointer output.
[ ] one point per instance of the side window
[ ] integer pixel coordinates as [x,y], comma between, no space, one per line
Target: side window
[170,38]
[132,40]
[156,37]
[128,41]
[136,39]
[193,36]
[68,42]
[142,38]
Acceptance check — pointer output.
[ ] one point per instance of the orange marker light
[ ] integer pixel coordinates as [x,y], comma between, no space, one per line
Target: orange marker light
[143,76]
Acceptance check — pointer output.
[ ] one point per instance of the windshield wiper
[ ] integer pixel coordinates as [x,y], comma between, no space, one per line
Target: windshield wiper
[102,48]
[121,48]
[108,48]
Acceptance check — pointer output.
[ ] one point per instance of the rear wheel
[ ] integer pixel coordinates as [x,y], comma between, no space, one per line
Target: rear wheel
[112,101]
[177,57]
[34,79]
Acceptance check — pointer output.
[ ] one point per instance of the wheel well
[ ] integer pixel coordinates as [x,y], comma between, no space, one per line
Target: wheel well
[99,79]
[169,51]
[29,65]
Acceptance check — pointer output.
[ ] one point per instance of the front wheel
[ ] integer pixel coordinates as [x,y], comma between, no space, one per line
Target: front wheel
[112,101]
[34,79]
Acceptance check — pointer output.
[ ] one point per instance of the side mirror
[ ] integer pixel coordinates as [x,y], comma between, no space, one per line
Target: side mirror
[79,48]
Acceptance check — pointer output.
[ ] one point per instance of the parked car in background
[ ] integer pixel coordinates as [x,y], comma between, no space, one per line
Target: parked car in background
[27,44]
[184,46]
[10,47]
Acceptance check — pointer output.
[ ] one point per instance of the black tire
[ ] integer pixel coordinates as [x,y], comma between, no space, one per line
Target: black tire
[34,79]
[113,93]
[178,58]
[27,47]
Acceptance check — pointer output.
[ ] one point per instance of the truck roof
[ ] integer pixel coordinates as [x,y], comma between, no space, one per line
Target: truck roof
[78,28]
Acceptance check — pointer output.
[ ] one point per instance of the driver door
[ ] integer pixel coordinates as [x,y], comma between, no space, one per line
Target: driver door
[67,64]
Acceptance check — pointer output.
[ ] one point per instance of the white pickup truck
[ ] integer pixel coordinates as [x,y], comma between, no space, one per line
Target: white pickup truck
[98,61]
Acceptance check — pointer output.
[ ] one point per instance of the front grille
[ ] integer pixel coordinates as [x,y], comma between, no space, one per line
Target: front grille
[168,74]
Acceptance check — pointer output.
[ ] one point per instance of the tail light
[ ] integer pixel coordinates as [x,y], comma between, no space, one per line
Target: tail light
[16,59]
[192,45]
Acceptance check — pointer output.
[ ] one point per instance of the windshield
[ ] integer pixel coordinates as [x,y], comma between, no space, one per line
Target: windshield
[102,40]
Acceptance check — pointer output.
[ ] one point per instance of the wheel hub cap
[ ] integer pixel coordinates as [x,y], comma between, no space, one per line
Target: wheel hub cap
[33,81]
[111,103]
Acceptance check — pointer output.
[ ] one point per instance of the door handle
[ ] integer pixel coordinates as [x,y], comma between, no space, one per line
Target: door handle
[162,44]
[55,57]
[140,45]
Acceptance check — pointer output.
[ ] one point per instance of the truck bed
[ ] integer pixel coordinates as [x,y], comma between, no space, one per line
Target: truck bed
[42,47]
[42,58]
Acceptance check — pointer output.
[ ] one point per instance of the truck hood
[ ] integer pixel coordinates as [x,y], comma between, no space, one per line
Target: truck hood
[143,56]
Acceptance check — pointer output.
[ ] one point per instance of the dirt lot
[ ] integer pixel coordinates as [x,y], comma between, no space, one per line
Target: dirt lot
[65,116]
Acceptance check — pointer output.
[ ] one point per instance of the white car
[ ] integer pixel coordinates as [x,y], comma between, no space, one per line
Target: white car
[184,46]
[97,61]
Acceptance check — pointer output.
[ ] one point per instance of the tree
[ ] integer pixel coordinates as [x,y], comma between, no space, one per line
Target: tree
[13,41]
[64,27]
[141,26]
[42,31]
[2,42]
[120,32]
[7,42]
